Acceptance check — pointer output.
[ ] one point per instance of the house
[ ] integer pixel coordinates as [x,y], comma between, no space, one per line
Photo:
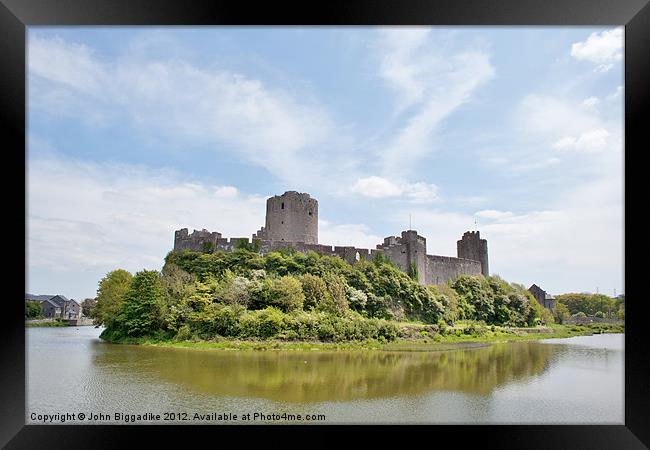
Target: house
[57,306]
[542,297]
[50,309]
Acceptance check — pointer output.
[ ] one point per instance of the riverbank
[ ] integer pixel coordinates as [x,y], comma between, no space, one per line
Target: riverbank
[452,338]
[44,323]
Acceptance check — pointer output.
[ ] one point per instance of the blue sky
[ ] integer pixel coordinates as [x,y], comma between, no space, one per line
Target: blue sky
[135,132]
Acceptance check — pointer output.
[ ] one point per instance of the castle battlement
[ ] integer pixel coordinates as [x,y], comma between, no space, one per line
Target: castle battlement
[292,222]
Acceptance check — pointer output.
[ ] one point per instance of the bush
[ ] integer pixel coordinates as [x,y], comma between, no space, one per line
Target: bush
[314,289]
[184,333]
[336,302]
[285,293]
[357,299]
[33,310]
[266,323]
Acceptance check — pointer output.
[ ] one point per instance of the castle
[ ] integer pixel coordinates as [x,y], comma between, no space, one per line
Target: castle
[292,222]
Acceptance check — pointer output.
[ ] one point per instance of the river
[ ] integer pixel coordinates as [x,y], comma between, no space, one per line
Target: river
[556,381]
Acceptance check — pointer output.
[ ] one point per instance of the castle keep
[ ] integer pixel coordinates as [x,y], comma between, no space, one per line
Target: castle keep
[292,222]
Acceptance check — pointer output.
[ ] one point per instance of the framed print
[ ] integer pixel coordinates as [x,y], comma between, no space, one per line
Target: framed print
[322,218]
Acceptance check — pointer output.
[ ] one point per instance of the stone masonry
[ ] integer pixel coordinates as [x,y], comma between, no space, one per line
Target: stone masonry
[292,222]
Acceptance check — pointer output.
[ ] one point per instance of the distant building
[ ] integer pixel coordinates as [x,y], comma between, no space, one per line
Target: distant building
[542,297]
[57,306]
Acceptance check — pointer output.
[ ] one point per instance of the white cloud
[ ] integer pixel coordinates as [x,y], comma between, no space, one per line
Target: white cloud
[604,48]
[173,99]
[550,130]
[378,187]
[590,141]
[493,214]
[591,102]
[547,114]
[431,82]
[357,235]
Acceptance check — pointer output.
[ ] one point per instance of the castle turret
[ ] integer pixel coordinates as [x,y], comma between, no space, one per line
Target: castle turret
[408,252]
[471,246]
[292,217]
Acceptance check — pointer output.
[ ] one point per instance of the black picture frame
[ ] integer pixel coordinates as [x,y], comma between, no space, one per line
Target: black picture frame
[16,15]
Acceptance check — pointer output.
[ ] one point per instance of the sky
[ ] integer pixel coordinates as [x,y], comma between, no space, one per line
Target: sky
[134,132]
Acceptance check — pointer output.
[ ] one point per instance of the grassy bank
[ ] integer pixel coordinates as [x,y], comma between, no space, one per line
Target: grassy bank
[462,335]
[53,323]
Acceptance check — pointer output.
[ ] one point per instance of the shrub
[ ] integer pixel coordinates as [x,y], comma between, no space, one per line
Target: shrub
[357,299]
[286,293]
[266,323]
[314,289]
[387,330]
[184,333]
[226,320]
[336,302]
[33,310]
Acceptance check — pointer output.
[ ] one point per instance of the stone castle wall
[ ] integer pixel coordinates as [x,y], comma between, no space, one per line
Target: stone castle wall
[402,251]
[292,222]
[471,246]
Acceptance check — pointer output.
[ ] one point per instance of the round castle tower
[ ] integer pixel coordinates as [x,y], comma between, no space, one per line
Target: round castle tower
[292,217]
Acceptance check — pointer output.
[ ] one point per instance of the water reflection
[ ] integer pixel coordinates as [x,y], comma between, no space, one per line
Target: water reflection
[306,377]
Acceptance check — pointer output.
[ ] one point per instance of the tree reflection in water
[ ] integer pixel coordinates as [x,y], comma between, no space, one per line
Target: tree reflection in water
[310,376]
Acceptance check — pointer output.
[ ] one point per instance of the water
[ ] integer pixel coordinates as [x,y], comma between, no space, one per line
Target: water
[556,381]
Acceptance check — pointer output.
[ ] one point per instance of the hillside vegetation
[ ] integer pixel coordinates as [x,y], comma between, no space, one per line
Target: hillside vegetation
[295,296]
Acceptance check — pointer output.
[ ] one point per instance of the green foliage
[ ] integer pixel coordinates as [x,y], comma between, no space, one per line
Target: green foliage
[494,301]
[562,313]
[285,293]
[140,313]
[413,271]
[476,294]
[589,304]
[599,314]
[294,296]
[357,299]
[266,323]
[314,289]
[33,309]
[208,247]
[110,295]
[336,302]
[88,307]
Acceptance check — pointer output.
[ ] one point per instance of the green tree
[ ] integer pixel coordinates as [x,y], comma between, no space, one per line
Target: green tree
[110,296]
[88,307]
[562,313]
[286,293]
[33,309]
[476,292]
[315,290]
[336,302]
[140,313]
